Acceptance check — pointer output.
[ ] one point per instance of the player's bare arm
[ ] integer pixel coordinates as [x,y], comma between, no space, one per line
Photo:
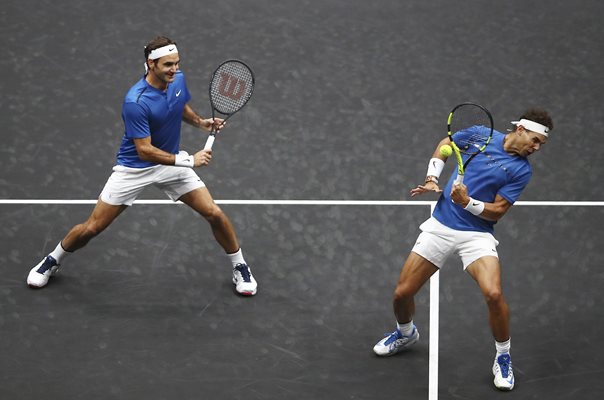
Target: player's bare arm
[147,152]
[431,183]
[192,118]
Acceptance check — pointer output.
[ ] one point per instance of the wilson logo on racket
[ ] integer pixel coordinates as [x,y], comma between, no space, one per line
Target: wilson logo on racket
[231,86]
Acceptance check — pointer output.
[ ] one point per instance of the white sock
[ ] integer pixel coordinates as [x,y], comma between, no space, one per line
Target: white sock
[236,258]
[405,329]
[59,253]
[503,347]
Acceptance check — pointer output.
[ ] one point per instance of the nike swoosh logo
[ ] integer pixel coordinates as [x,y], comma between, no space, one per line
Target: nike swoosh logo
[171,49]
[475,204]
[178,93]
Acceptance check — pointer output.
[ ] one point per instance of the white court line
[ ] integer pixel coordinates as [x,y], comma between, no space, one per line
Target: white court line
[434,332]
[434,280]
[309,202]
[244,202]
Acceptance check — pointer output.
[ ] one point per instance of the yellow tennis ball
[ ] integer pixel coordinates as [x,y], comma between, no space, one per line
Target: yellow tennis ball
[446,150]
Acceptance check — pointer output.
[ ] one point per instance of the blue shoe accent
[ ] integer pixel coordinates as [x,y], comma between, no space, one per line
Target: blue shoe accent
[503,372]
[504,361]
[48,263]
[244,271]
[393,337]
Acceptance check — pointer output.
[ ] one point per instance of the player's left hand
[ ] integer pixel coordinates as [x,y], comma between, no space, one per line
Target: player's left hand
[459,194]
[209,123]
[202,158]
[425,188]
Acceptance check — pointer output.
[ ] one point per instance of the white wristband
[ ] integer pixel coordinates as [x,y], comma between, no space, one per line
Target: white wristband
[476,207]
[435,167]
[183,159]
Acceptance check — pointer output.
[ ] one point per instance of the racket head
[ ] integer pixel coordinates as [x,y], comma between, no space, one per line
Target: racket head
[231,87]
[470,129]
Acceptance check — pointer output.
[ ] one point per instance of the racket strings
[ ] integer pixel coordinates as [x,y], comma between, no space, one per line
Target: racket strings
[471,128]
[474,142]
[231,87]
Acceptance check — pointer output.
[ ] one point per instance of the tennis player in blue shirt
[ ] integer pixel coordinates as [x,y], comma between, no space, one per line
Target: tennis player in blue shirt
[153,111]
[462,223]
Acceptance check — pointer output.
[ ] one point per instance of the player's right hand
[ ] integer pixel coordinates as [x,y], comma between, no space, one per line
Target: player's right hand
[202,158]
[212,123]
[459,194]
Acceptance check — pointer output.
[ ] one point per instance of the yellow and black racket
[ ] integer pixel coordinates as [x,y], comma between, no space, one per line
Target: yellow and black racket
[470,128]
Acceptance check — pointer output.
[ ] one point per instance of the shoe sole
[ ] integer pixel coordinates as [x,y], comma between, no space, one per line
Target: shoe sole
[504,389]
[32,286]
[400,350]
[246,293]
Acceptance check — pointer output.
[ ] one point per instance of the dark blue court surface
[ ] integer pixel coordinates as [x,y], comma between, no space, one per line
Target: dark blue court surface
[351,99]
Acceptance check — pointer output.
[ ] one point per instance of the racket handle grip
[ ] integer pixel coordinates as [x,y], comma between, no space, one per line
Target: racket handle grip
[210,142]
[459,180]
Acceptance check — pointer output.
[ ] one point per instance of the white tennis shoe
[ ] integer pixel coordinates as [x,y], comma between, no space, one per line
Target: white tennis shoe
[502,370]
[244,281]
[40,274]
[395,342]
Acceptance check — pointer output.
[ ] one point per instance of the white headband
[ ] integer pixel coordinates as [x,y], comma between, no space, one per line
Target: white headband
[163,51]
[160,52]
[532,126]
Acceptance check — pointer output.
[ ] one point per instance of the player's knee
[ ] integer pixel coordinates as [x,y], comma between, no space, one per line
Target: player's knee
[402,293]
[494,297]
[91,229]
[213,214]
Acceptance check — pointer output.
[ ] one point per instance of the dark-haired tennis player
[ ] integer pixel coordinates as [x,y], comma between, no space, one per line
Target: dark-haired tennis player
[463,223]
[150,154]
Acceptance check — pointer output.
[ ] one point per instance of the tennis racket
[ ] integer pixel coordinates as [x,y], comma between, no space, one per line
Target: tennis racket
[231,88]
[470,129]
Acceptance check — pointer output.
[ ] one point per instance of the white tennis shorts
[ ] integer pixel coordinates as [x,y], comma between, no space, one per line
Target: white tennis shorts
[437,242]
[125,184]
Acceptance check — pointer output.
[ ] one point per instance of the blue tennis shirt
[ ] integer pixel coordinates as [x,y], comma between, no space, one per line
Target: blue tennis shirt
[148,111]
[490,173]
